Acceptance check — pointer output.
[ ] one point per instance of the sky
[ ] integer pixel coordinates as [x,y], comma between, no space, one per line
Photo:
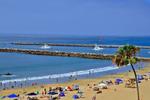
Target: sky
[75,17]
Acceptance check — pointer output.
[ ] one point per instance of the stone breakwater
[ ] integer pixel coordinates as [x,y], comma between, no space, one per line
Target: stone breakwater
[56,53]
[64,54]
[76,45]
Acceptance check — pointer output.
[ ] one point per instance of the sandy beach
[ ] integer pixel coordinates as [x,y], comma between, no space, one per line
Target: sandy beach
[114,92]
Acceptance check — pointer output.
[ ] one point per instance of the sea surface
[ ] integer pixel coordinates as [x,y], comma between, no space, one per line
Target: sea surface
[35,68]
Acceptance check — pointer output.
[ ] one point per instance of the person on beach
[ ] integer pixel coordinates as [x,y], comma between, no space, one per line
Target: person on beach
[15,83]
[1,84]
[45,91]
[90,73]
[57,80]
[21,85]
[51,98]
[4,85]
[71,76]
[94,97]
[50,89]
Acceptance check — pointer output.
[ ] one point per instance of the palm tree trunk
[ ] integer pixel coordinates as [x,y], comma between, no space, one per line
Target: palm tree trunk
[136,79]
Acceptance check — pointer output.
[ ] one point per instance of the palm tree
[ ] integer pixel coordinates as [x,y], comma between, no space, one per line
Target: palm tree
[127,55]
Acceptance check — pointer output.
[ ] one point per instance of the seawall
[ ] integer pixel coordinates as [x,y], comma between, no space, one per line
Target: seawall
[76,45]
[64,54]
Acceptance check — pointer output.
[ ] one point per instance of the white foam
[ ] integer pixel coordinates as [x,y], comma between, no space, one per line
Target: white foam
[8,75]
[83,72]
[45,46]
[97,48]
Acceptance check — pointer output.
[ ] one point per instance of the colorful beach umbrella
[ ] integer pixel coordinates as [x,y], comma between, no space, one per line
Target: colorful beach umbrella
[76,87]
[52,93]
[118,81]
[62,94]
[140,77]
[12,96]
[75,97]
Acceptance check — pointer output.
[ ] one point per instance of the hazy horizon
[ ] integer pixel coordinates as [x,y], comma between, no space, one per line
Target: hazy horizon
[65,35]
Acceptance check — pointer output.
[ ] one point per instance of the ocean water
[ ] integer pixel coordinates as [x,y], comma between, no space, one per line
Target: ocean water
[23,65]
[34,67]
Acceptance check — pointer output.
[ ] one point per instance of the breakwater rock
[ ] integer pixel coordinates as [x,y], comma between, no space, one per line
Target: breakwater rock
[56,53]
[76,45]
[64,54]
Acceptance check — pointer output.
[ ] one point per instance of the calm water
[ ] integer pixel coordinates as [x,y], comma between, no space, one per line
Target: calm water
[22,65]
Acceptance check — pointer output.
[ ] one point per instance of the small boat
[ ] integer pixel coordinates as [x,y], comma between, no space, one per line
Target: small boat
[7,75]
[45,46]
[97,48]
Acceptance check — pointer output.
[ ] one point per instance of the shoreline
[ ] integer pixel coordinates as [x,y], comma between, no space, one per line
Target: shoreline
[70,76]
[76,74]
[82,82]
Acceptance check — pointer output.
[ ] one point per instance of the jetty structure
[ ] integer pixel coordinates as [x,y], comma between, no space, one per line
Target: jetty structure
[63,54]
[75,45]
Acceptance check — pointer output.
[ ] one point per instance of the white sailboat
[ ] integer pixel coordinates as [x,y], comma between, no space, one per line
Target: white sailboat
[97,48]
[45,46]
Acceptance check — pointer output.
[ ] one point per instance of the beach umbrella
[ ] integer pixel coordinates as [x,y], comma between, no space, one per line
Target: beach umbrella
[12,96]
[69,88]
[52,93]
[32,94]
[102,85]
[140,77]
[75,97]
[105,82]
[76,87]
[37,92]
[148,74]
[119,81]
[62,94]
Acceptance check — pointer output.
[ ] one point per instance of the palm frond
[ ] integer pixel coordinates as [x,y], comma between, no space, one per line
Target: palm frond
[126,55]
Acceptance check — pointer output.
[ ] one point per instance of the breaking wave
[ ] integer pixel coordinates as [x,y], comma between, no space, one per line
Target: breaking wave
[76,73]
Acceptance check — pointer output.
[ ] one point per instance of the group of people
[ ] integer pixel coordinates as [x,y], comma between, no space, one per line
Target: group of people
[11,85]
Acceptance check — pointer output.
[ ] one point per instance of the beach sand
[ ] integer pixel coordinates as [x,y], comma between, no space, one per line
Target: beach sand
[114,92]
